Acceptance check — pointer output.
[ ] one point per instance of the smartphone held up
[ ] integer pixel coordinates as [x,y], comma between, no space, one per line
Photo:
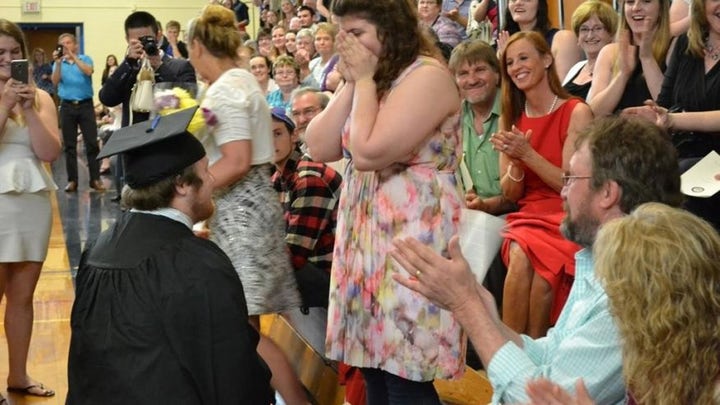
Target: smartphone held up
[19,70]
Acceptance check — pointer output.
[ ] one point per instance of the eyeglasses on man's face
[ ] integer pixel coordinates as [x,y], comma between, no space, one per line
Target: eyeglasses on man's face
[304,112]
[568,179]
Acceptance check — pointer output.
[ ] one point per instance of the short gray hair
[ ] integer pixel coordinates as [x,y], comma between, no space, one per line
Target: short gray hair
[301,91]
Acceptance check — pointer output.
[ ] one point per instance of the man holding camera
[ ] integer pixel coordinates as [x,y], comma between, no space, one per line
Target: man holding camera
[72,74]
[142,36]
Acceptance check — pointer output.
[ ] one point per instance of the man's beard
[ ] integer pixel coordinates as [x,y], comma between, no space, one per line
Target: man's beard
[582,230]
[205,210]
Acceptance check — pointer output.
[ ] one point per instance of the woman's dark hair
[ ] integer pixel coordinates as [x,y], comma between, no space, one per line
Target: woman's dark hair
[542,21]
[268,63]
[399,33]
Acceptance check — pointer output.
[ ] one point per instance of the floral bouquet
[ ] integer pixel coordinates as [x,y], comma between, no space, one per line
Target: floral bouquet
[173,97]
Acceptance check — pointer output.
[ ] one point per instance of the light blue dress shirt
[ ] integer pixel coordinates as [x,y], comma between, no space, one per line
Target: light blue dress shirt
[583,344]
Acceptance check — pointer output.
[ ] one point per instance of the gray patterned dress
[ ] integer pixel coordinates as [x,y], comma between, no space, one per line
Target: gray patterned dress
[248,223]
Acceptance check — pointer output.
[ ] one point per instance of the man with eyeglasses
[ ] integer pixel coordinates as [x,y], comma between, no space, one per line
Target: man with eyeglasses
[618,164]
[305,104]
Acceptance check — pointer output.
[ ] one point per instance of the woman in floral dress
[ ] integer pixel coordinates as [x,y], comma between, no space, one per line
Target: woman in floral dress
[396,118]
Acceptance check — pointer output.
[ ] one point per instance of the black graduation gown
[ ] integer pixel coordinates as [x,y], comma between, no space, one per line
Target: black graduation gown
[160,318]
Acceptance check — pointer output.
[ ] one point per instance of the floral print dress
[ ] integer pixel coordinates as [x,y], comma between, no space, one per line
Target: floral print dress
[373,321]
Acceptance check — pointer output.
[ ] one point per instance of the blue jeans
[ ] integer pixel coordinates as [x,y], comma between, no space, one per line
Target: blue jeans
[384,388]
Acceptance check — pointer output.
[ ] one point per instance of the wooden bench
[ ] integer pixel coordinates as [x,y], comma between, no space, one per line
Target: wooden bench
[302,338]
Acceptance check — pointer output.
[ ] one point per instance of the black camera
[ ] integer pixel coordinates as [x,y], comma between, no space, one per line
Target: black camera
[59,50]
[149,43]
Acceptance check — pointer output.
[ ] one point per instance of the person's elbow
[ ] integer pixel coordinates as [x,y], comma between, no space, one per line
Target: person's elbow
[49,153]
[512,194]
[242,167]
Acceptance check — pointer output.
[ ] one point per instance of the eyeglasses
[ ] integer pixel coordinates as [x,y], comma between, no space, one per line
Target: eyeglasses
[304,113]
[595,30]
[567,178]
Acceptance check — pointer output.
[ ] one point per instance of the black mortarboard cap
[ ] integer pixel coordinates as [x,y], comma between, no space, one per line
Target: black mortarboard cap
[155,149]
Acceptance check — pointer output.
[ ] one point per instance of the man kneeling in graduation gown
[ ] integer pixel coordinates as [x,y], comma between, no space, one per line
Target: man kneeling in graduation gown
[159,314]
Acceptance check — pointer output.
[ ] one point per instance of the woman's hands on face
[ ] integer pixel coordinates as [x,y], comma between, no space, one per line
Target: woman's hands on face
[356,61]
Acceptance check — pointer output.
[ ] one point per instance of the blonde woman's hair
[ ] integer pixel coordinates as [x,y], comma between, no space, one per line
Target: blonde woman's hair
[660,267]
[216,30]
[327,28]
[607,16]
[699,29]
[286,60]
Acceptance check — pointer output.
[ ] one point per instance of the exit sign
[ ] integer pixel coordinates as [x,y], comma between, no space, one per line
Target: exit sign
[31,6]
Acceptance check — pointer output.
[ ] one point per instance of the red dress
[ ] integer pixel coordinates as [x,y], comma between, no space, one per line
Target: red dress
[536,225]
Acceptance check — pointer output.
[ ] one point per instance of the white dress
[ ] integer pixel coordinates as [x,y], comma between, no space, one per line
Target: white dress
[25,186]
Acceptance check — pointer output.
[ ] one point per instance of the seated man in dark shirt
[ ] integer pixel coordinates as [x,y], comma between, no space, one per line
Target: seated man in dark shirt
[159,314]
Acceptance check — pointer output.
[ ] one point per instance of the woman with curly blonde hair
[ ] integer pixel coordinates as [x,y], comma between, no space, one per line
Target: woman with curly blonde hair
[661,270]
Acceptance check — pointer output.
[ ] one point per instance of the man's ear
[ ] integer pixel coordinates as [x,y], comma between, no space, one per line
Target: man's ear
[610,194]
[181,189]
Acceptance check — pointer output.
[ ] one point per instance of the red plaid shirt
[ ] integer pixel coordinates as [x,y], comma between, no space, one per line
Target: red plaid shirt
[309,193]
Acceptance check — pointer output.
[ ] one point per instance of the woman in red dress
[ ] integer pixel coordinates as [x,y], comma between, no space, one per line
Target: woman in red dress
[539,124]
